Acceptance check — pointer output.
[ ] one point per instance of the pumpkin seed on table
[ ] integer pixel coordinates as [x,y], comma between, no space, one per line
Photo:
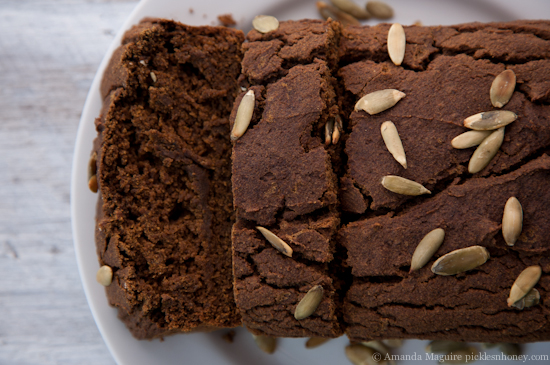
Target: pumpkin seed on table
[461,260]
[351,8]
[379,10]
[328,11]
[266,343]
[487,121]
[378,101]
[512,221]
[397,42]
[426,248]
[275,241]
[469,139]
[393,142]
[265,23]
[525,281]
[400,185]
[485,152]
[309,303]
[244,115]
[502,88]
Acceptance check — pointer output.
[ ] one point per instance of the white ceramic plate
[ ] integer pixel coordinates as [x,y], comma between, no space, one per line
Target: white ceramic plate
[209,348]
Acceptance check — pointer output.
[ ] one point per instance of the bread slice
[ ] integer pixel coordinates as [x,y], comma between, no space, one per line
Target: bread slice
[163,166]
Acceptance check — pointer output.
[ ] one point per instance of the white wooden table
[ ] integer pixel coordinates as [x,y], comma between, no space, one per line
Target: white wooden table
[49,52]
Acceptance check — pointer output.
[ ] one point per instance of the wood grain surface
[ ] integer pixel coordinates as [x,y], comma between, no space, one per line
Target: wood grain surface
[49,53]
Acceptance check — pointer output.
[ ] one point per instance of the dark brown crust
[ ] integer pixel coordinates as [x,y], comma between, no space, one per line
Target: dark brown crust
[283,180]
[446,74]
[449,81]
[386,301]
[165,209]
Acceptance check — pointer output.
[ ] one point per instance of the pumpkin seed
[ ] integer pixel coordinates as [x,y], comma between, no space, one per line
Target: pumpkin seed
[92,184]
[309,302]
[92,165]
[244,115]
[275,241]
[379,10]
[348,6]
[426,248]
[327,11]
[469,139]
[265,23]
[444,346]
[502,88]
[266,343]
[488,121]
[376,346]
[526,280]
[378,101]
[461,260]
[396,43]
[400,185]
[329,130]
[512,221]
[338,129]
[486,151]
[314,342]
[361,355]
[393,142]
[104,275]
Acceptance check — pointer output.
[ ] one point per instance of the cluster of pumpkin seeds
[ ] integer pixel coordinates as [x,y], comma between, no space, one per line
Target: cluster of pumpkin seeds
[488,127]
[488,134]
[348,12]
